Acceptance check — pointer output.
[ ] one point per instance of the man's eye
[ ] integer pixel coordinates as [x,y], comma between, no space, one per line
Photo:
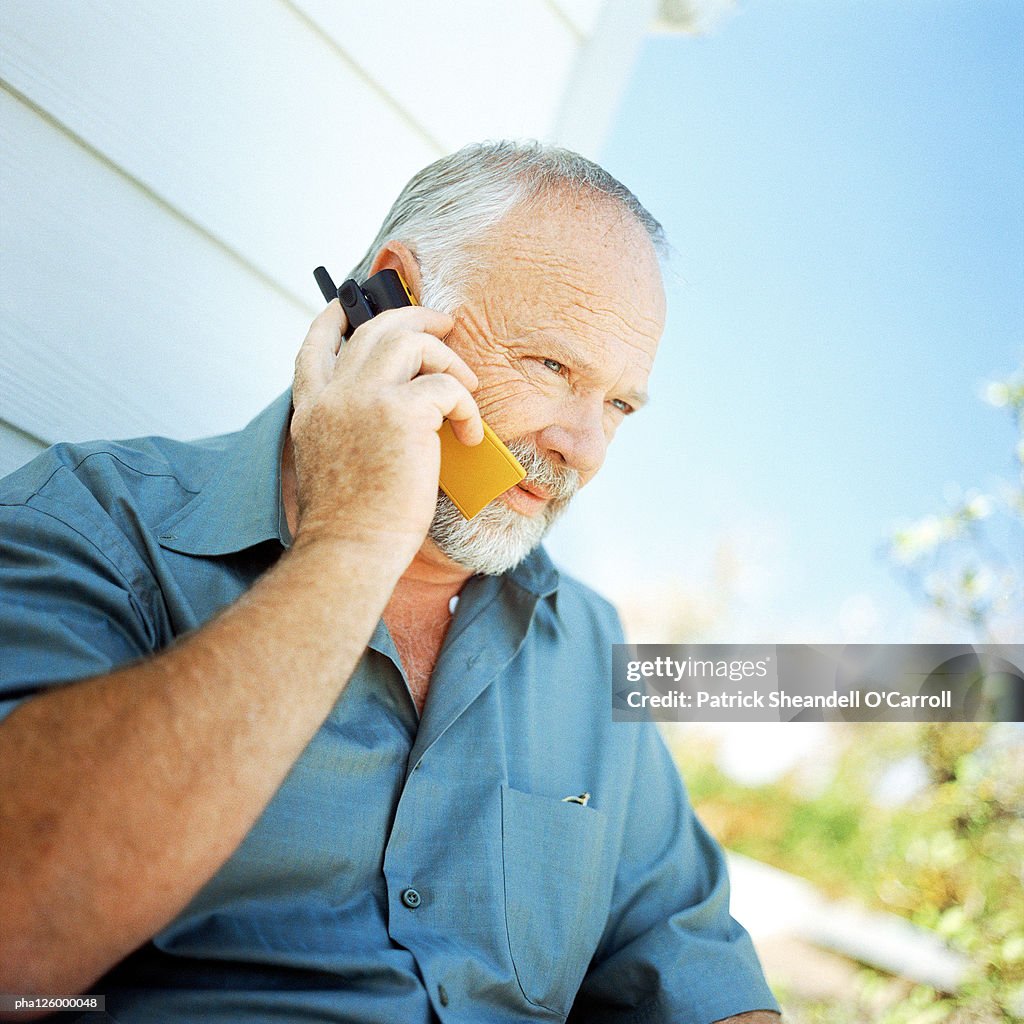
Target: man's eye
[553,365]
[622,406]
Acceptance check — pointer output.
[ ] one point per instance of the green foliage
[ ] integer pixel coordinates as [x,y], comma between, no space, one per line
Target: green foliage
[950,859]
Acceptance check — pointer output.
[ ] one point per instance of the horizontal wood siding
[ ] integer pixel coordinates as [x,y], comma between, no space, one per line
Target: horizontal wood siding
[235,113]
[117,317]
[172,172]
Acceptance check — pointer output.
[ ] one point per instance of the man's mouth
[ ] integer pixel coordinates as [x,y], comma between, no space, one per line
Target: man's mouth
[535,489]
[526,498]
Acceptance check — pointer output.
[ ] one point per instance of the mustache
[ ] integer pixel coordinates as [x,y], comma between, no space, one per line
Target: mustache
[561,482]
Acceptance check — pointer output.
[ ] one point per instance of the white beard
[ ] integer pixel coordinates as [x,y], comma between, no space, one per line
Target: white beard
[498,538]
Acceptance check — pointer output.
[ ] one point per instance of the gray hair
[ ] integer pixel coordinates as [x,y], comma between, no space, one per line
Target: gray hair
[446,207]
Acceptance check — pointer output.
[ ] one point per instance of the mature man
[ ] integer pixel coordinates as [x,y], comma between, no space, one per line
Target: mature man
[291,740]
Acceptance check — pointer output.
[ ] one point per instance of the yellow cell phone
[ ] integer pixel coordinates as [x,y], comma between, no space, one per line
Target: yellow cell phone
[471,477]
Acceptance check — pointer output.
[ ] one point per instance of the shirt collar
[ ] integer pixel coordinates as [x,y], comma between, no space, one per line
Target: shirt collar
[536,573]
[240,504]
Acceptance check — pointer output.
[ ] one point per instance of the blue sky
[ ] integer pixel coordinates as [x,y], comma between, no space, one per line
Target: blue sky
[843,184]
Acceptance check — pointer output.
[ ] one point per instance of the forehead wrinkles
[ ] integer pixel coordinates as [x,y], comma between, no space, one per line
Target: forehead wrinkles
[589,265]
[541,291]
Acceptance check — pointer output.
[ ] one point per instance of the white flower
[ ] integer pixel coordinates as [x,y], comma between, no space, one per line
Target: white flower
[996,393]
[979,506]
[918,539]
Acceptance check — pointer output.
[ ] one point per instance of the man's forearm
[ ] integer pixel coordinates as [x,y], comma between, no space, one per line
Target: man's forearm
[122,795]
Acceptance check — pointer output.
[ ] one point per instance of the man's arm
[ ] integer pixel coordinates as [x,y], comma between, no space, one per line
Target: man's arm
[123,794]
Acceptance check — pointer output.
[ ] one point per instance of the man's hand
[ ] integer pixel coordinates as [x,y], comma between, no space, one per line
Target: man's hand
[367,454]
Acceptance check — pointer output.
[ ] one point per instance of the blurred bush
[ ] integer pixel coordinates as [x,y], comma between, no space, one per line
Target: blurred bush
[921,820]
[944,848]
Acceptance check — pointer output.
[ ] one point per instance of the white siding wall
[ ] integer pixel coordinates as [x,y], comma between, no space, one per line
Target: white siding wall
[172,170]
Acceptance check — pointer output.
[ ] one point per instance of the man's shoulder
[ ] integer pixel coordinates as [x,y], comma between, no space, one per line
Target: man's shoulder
[584,613]
[150,474]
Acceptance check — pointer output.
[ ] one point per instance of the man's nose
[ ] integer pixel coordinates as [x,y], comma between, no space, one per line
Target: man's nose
[577,438]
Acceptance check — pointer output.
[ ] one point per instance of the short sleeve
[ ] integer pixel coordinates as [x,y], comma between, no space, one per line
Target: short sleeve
[66,611]
[671,953]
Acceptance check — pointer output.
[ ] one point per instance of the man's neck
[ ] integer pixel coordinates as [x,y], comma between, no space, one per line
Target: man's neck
[431,571]
[419,614]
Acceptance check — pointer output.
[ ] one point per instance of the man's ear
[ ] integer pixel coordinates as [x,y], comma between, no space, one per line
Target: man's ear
[398,256]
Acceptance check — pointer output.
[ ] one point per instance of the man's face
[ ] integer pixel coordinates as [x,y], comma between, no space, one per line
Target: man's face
[561,327]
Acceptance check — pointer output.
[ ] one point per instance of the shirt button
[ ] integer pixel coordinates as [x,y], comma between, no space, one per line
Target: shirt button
[411,898]
[442,995]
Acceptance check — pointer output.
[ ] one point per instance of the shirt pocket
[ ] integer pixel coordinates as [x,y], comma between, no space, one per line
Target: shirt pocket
[556,894]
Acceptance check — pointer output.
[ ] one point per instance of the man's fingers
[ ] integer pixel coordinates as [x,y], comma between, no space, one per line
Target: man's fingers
[395,346]
[407,318]
[315,359]
[454,403]
[437,357]
[400,346]
[403,356]
[328,328]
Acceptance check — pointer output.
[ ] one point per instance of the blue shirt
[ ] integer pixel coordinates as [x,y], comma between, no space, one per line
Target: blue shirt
[407,870]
